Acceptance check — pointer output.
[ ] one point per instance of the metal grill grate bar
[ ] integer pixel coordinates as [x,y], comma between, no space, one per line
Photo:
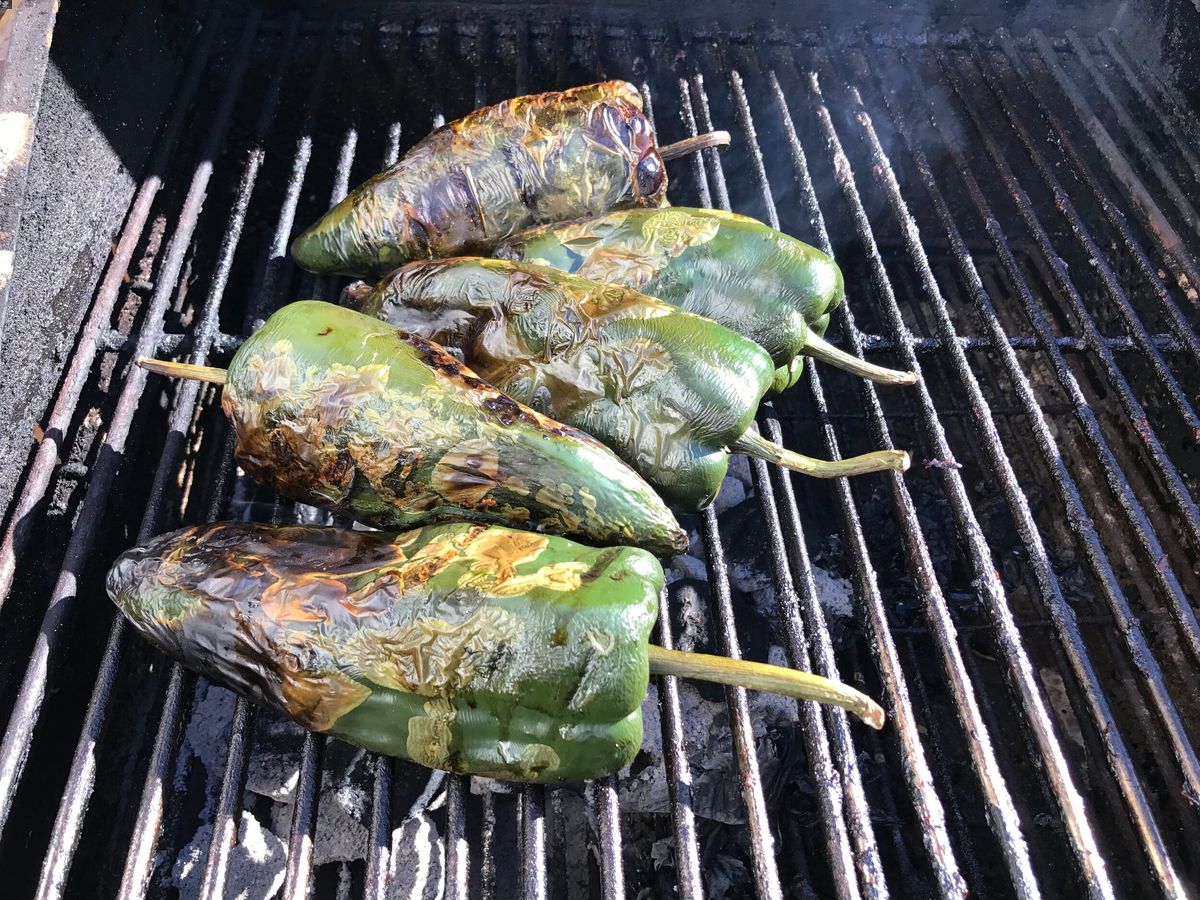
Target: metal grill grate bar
[999,458]
[146,833]
[1000,807]
[679,774]
[925,797]
[456,843]
[533,842]
[1018,503]
[1059,610]
[19,733]
[1180,109]
[229,802]
[1129,181]
[304,818]
[839,831]
[1140,139]
[37,477]
[379,848]
[985,580]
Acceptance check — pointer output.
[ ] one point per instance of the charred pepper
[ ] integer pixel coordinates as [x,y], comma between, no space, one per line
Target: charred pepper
[735,270]
[671,392]
[472,182]
[461,647]
[340,410]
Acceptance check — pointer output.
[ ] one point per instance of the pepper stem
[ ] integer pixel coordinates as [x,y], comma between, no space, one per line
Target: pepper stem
[762,677]
[210,374]
[819,348]
[694,143]
[753,444]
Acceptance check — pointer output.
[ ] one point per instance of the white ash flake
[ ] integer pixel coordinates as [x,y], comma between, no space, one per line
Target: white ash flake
[417,860]
[256,863]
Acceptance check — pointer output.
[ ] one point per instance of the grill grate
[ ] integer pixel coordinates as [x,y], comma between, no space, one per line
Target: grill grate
[1036,567]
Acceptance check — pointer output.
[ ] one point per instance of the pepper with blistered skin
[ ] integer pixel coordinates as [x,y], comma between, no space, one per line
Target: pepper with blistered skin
[461,647]
[343,411]
[671,392]
[477,180]
[735,270]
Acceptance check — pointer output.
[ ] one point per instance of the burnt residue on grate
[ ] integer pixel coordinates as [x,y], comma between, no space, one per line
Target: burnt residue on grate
[1022,599]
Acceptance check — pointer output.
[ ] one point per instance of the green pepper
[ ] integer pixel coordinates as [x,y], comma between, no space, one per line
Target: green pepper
[671,392]
[735,270]
[345,412]
[475,181]
[461,647]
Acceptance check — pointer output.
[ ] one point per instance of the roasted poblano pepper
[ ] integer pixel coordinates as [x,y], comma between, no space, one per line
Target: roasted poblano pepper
[671,392]
[475,181]
[462,647]
[735,270]
[343,411]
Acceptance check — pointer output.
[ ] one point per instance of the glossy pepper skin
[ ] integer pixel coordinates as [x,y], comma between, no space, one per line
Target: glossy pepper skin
[343,411]
[667,390]
[461,647]
[471,183]
[732,269]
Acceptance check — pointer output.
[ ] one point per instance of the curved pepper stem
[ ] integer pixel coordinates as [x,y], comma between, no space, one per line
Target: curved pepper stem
[753,444]
[211,374]
[694,143]
[820,349]
[762,677]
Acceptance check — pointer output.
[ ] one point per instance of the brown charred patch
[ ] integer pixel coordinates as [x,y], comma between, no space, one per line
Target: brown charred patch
[328,329]
[505,409]
[437,358]
[317,700]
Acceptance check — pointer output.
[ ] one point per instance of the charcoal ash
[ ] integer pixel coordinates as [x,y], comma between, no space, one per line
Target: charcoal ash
[257,862]
[417,859]
[716,792]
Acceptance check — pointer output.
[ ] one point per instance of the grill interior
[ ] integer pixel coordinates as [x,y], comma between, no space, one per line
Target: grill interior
[1015,215]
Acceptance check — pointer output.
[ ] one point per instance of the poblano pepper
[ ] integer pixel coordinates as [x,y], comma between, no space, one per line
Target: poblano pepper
[346,412]
[461,647]
[671,392]
[472,182]
[735,270]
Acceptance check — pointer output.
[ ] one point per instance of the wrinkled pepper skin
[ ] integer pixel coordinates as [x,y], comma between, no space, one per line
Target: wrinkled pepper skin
[461,647]
[343,411]
[526,161]
[732,269]
[667,390]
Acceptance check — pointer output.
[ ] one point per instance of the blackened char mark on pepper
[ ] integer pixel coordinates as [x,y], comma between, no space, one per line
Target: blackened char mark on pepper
[437,358]
[504,408]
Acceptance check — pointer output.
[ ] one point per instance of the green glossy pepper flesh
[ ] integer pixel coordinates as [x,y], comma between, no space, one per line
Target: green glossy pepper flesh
[343,411]
[473,182]
[669,391]
[461,647]
[732,269]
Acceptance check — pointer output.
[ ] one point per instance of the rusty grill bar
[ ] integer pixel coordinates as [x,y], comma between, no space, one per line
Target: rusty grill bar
[1036,568]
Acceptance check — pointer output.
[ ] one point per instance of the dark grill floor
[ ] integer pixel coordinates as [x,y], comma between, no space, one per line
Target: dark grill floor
[1015,216]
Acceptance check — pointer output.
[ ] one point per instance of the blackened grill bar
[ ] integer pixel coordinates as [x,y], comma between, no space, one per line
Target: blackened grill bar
[886,815]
